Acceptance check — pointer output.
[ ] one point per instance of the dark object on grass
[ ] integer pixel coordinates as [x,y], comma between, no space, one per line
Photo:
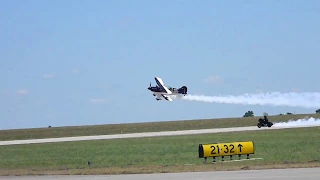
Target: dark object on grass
[264,122]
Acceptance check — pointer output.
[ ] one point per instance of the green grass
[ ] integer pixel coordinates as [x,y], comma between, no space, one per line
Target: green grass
[278,148]
[138,127]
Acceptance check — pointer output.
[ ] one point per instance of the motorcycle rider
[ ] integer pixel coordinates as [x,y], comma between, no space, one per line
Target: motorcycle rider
[263,122]
[266,120]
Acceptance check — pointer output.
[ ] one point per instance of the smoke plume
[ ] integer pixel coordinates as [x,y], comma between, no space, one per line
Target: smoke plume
[300,122]
[304,99]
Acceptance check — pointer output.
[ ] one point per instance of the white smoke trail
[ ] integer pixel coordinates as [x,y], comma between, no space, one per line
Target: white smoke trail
[304,99]
[300,122]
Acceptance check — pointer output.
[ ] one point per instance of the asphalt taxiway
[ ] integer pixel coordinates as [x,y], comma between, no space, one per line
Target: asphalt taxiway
[270,174]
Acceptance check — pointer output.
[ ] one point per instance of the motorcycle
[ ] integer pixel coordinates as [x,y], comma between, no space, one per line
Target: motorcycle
[263,124]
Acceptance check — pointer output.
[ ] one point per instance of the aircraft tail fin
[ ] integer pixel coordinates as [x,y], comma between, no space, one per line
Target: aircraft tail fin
[183,90]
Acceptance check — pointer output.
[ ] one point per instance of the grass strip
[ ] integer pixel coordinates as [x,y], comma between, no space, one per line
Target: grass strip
[284,148]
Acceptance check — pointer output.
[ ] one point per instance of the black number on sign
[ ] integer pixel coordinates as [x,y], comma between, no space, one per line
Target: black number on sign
[214,148]
[232,147]
[240,146]
[227,150]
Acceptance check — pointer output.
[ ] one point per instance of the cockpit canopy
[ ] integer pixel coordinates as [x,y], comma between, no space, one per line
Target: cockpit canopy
[170,88]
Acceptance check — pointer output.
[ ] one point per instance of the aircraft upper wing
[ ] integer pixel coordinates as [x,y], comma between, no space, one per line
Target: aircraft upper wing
[162,86]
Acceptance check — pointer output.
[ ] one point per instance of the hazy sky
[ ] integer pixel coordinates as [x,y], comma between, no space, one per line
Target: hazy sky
[82,62]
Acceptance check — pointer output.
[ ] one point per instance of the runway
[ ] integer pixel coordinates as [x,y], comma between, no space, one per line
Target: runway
[278,174]
[147,134]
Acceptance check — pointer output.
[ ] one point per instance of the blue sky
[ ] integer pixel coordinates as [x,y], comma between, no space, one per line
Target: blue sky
[82,62]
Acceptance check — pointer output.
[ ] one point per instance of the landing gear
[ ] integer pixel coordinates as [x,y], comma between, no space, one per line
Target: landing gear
[154,94]
[158,99]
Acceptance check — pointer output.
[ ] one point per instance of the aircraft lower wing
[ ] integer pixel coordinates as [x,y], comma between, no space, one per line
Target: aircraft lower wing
[160,96]
[168,98]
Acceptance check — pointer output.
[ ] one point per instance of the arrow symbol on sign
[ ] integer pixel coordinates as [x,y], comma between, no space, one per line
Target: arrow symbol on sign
[240,146]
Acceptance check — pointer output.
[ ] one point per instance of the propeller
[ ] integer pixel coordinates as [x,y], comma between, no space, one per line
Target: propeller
[149,86]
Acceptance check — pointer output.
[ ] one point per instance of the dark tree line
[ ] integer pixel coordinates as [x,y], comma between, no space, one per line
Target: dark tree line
[251,113]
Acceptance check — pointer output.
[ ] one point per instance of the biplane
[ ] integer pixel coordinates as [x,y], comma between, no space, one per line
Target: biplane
[161,91]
